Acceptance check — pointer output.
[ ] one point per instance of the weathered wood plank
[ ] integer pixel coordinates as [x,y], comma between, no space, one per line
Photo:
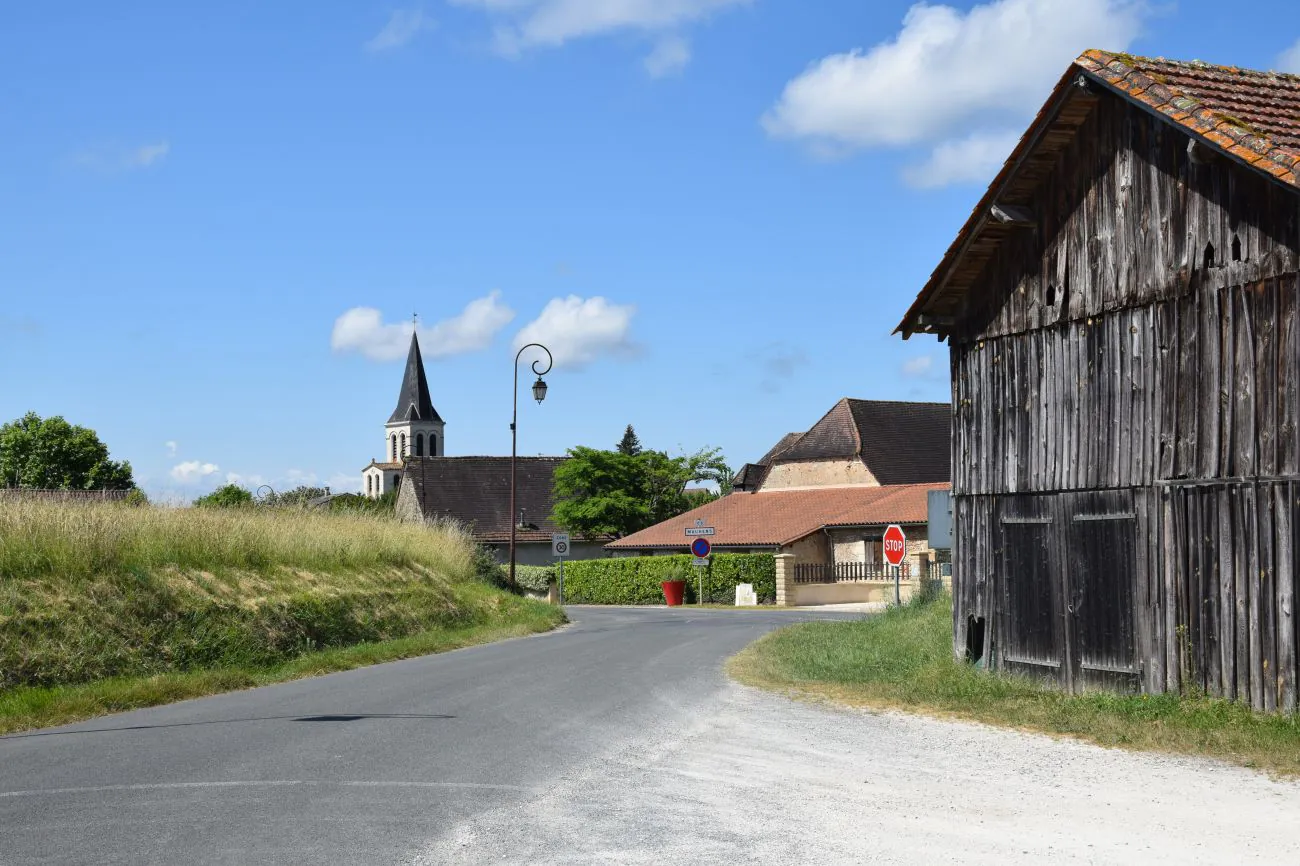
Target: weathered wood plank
[1264,576]
[1227,625]
[1284,504]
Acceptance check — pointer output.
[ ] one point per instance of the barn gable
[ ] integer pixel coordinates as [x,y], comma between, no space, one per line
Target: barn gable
[1085,187]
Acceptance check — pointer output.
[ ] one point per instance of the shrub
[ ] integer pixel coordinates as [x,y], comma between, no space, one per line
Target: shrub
[136,497]
[230,496]
[535,578]
[637,579]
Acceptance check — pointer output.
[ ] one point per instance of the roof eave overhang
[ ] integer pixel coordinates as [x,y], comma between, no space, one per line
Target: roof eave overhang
[1075,83]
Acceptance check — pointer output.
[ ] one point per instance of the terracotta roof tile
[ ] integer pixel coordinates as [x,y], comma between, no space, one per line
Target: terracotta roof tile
[779,517]
[1252,116]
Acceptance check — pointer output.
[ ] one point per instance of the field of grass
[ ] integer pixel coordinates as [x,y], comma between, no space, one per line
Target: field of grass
[104,606]
[903,659]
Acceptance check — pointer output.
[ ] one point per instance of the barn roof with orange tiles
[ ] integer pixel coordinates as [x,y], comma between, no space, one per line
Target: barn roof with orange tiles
[1252,117]
[780,517]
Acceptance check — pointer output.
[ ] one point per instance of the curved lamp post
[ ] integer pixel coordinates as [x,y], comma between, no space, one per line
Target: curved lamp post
[539,394]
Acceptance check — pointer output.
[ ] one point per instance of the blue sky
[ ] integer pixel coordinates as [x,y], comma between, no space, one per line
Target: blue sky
[220,218]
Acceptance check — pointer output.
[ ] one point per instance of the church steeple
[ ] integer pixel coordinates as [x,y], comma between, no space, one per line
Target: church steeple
[413,402]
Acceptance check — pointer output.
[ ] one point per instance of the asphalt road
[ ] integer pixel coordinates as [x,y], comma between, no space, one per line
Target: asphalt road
[372,765]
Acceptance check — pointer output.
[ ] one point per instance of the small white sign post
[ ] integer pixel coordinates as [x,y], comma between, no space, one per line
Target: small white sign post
[701,548]
[560,549]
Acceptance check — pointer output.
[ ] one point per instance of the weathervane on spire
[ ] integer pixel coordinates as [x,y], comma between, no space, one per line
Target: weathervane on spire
[415,320]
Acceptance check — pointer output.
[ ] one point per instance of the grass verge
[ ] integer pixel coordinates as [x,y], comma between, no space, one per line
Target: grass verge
[106,607]
[903,659]
[25,708]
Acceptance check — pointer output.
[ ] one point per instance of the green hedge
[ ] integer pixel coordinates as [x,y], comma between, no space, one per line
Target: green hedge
[536,578]
[636,579]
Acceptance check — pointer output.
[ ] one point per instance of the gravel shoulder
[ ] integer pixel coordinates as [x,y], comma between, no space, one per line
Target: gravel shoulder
[755,778]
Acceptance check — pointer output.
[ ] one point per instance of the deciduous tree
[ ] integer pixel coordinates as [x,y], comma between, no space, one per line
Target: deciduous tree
[610,494]
[50,453]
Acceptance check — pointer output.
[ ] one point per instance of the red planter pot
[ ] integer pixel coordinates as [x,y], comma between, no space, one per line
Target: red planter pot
[674,591]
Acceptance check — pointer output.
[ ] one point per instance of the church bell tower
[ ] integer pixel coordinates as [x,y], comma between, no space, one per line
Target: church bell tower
[413,430]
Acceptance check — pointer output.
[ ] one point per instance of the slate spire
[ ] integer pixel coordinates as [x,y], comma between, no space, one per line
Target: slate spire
[413,403]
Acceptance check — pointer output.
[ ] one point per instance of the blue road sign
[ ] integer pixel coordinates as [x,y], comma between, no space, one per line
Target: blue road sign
[701,547]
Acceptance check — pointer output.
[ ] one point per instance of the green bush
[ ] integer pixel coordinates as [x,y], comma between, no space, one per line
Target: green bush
[637,579]
[535,578]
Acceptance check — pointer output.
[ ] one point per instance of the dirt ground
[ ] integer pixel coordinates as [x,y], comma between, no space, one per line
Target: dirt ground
[760,779]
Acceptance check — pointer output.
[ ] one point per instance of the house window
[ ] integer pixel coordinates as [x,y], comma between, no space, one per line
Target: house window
[419,445]
[397,481]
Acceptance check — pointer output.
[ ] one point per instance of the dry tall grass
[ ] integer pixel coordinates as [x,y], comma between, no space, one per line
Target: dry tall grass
[72,540]
[96,590]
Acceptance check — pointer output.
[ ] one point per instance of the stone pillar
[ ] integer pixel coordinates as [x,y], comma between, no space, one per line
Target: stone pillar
[785,591]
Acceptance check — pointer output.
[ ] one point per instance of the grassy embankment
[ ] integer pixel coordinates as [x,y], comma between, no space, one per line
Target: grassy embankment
[903,659]
[105,607]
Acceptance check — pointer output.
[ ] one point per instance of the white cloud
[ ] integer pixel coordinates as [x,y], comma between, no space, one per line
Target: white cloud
[977,157]
[171,447]
[670,56]
[1289,60]
[550,23]
[947,70]
[249,481]
[298,477]
[148,154]
[344,482]
[193,470]
[403,26]
[578,331]
[362,329]
[112,158]
[919,366]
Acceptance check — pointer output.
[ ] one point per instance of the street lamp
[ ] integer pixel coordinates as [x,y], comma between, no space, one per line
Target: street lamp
[539,394]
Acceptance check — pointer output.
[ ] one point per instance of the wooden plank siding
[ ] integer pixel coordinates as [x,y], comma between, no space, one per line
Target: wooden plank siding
[1126,425]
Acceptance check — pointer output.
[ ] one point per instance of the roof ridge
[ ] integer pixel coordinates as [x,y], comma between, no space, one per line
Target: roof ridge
[1135,60]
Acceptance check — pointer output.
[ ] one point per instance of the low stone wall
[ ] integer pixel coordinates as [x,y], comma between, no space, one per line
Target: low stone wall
[791,594]
[851,592]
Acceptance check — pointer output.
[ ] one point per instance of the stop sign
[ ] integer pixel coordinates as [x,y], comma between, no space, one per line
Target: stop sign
[895,544]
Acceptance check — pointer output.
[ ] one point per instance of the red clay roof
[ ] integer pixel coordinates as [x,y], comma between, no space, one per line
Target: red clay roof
[1253,117]
[780,517]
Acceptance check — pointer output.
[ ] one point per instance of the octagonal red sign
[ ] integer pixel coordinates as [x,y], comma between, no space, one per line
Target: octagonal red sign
[895,544]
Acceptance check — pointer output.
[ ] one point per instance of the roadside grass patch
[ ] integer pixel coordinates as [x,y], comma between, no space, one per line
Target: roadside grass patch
[30,707]
[902,659]
[106,607]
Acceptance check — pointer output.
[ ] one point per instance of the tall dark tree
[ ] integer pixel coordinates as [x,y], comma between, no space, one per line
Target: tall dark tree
[629,444]
[51,454]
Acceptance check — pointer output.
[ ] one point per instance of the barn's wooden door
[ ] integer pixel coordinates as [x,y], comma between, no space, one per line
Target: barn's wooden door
[1101,584]
[1031,627]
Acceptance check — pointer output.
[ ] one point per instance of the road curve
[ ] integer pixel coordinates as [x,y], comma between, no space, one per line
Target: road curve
[364,766]
[615,740]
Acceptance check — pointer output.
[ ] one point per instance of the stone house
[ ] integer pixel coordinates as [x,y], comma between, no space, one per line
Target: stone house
[826,496]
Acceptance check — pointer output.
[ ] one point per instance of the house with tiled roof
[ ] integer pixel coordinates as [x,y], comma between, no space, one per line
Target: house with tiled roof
[473,491]
[827,494]
[1122,310]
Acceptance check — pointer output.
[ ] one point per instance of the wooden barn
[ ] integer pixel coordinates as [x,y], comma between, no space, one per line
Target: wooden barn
[1121,311]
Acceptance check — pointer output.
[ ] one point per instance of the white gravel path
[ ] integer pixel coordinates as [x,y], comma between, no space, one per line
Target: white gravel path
[765,780]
